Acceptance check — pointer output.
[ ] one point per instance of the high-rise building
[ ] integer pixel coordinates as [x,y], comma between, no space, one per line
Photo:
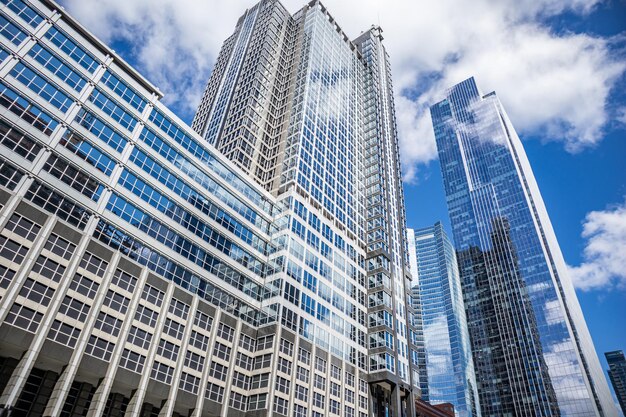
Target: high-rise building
[617,374]
[144,273]
[533,354]
[309,115]
[436,281]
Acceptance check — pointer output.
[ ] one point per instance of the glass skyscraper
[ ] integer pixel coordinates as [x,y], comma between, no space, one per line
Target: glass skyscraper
[533,354]
[143,272]
[437,286]
[309,114]
[617,374]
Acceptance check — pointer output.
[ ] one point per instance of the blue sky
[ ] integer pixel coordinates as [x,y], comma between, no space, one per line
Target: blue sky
[558,66]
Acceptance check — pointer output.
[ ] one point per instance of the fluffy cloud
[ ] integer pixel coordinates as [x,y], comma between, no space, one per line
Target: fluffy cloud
[554,84]
[604,263]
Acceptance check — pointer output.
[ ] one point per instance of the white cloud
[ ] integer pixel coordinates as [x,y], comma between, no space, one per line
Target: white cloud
[553,84]
[604,263]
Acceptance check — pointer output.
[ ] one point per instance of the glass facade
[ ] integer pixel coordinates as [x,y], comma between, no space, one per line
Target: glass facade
[437,287]
[617,374]
[533,354]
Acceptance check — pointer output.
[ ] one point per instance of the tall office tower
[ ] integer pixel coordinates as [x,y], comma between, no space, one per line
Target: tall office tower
[309,115]
[449,361]
[143,273]
[617,374]
[533,354]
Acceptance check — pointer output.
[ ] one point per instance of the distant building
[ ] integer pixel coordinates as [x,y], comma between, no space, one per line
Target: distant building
[437,287]
[533,354]
[425,409]
[617,374]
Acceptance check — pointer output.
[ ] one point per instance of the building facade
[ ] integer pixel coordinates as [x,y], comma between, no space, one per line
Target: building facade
[617,375]
[436,281]
[533,354]
[144,273]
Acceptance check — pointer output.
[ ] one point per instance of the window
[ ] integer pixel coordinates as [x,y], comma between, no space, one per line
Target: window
[246,342]
[174,329]
[335,372]
[123,90]
[124,280]
[10,176]
[349,395]
[12,250]
[152,295]
[199,341]
[108,324]
[320,364]
[302,393]
[74,177]
[11,31]
[60,246]
[84,286]
[63,333]
[225,332]
[168,350]
[93,264]
[87,152]
[41,86]
[304,356]
[319,400]
[162,372]
[282,384]
[18,142]
[203,321]
[319,382]
[48,268]
[6,276]
[178,308]
[116,302]
[69,46]
[74,309]
[26,110]
[280,405]
[194,361]
[259,381]
[146,315]
[214,392]
[55,203]
[241,380]
[46,58]
[286,347]
[237,401]
[37,292]
[299,411]
[189,383]
[132,361]
[222,351]
[112,109]
[257,402]
[24,317]
[334,389]
[139,337]
[263,361]
[284,365]
[218,371]
[245,361]
[100,348]
[334,407]
[265,342]
[302,374]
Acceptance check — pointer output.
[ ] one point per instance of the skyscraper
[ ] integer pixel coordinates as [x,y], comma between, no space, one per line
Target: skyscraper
[617,374]
[437,283]
[309,115]
[533,354]
[144,273]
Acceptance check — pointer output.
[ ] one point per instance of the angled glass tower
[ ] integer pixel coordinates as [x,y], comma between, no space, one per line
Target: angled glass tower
[437,283]
[533,354]
[143,272]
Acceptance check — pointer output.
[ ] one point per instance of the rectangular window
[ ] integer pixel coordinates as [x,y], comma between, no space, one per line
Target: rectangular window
[26,110]
[18,142]
[41,86]
[74,177]
[108,324]
[57,67]
[70,47]
[162,372]
[132,361]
